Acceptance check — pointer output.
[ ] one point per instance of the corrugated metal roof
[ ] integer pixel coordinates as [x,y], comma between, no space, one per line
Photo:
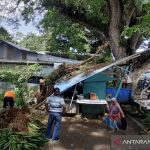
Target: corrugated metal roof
[6,61]
[51,59]
[63,86]
[17,46]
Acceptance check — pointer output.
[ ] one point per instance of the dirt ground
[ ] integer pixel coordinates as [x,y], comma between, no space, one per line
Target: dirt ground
[85,134]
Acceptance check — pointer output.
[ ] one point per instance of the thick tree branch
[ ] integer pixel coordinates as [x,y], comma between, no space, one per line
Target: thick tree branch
[130,16]
[75,16]
[96,30]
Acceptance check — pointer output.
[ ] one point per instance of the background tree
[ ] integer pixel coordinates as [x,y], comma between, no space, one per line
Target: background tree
[123,23]
[4,35]
[63,35]
[33,42]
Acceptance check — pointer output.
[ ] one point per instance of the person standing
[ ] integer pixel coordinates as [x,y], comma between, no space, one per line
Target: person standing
[55,105]
[43,89]
[9,98]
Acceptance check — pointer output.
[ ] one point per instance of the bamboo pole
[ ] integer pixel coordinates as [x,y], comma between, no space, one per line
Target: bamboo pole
[139,124]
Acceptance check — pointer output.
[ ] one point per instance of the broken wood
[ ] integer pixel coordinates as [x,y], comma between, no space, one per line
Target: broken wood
[38,105]
[138,124]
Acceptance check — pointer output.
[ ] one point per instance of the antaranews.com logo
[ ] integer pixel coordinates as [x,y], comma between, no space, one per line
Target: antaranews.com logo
[128,142]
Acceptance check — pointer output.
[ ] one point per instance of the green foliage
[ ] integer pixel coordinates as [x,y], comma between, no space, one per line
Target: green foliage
[19,76]
[129,31]
[33,42]
[1,98]
[20,101]
[56,25]
[4,35]
[143,25]
[104,58]
[95,11]
[34,139]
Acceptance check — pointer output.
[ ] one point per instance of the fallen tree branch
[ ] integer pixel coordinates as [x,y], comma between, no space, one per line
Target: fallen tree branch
[98,50]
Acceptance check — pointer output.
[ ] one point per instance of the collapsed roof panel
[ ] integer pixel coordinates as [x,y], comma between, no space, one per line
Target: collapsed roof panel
[64,85]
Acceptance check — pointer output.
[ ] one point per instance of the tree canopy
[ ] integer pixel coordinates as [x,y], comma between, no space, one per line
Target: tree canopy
[33,42]
[71,26]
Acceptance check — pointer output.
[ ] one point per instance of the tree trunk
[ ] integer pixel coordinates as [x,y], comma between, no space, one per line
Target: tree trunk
[134,42]
[114,28]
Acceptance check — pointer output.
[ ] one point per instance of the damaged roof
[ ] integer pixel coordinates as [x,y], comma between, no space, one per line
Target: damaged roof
[64,85]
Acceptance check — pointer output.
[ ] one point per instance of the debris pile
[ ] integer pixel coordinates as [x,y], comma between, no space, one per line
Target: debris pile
[65,72]
[16,119]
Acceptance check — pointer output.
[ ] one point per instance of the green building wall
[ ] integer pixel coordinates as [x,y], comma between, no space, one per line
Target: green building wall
[95,87]
[96,84]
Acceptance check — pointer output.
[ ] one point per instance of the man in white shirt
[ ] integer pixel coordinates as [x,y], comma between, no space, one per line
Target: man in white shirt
[55,105]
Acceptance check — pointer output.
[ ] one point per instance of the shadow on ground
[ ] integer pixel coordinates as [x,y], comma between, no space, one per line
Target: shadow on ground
[78,134]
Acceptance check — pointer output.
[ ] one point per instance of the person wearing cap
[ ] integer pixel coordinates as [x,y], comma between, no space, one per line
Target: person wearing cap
[9,98]
[54,105]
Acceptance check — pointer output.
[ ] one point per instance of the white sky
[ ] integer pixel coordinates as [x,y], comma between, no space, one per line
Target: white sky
[5,7]
[22,28]
[143,46]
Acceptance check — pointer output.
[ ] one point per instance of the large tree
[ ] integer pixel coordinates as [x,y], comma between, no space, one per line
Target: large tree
[121,22]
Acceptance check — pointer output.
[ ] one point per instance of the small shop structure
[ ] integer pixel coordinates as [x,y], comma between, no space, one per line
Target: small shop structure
[87,92]
[88,96]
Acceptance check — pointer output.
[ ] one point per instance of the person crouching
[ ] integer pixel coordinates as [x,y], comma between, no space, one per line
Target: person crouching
[115,114]
[9,98]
